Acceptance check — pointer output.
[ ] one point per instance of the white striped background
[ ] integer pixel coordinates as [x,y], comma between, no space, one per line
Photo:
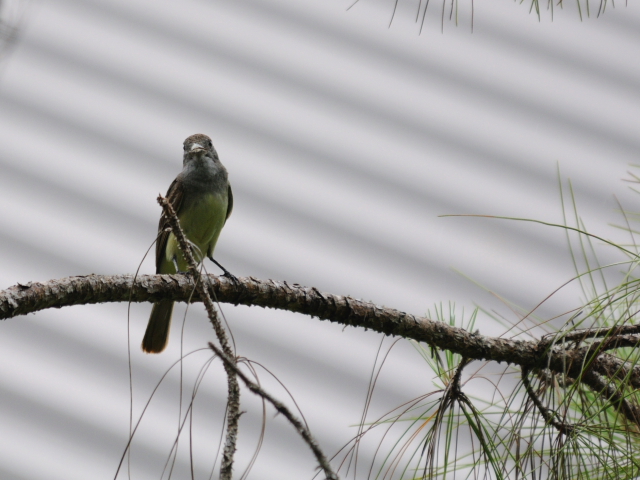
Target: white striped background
[344,139]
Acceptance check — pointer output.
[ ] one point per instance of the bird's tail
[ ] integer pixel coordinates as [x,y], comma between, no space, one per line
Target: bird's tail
[157,334]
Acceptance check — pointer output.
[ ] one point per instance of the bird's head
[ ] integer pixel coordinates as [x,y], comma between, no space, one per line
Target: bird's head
[197,146]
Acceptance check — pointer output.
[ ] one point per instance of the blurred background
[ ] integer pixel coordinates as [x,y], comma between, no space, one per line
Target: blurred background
[346,134]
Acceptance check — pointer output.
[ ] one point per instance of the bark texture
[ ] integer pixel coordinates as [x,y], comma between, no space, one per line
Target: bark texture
[32,297]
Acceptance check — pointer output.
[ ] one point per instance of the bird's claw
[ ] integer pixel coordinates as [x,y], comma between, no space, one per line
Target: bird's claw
[226,273]
[231,277]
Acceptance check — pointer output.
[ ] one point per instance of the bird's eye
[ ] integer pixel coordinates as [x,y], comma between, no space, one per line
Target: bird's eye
[209,143]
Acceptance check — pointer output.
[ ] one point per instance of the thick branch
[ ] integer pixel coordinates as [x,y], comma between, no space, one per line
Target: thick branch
[617,397]
[613,367]
[22,299]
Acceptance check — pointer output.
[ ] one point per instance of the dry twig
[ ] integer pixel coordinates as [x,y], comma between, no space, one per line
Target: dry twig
[233,400]
[281,408]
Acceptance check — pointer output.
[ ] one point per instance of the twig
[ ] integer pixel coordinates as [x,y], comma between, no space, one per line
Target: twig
[548,414]
[612,343]
[457,376]
[299,426]
[597,332]
[233,409]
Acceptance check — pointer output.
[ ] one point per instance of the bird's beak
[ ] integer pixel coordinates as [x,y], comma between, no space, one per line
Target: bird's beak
[196,146]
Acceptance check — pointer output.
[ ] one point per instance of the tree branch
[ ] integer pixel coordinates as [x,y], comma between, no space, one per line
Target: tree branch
[281,408]
[548,414]
[613,367]
[233,402]
[23,299]
[618,399]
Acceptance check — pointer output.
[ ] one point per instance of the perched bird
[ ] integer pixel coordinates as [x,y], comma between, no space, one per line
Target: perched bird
[201,197]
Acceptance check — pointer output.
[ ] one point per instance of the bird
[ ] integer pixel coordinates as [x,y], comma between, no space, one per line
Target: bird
[202,199]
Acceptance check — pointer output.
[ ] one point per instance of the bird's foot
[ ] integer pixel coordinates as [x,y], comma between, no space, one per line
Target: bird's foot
[178,271]
[226,273]
[231,277]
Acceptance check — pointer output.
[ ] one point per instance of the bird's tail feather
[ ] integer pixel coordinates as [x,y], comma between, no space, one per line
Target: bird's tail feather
[157,334]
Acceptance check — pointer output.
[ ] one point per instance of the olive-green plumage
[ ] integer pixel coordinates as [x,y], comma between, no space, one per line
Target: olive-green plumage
[201,197]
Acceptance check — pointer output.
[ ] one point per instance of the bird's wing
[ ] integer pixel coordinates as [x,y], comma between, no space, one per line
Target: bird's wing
[229,203]
[174,197]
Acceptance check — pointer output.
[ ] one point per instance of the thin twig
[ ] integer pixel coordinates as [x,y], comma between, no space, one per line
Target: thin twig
[548,414]
[233,410]
[299,426]
[597,332]
[457,376]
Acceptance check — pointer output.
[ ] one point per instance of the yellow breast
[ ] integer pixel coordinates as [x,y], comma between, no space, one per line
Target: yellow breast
[202,222]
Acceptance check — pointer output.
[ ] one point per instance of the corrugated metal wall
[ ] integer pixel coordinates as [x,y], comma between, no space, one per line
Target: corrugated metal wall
[345,140]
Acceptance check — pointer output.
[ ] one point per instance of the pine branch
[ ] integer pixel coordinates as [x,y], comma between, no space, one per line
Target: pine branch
[92,289]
